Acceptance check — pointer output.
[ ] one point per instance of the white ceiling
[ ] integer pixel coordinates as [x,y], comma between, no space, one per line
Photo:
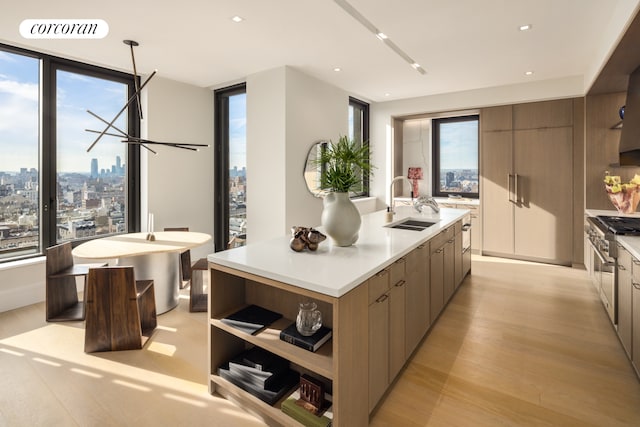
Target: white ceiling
[462,44]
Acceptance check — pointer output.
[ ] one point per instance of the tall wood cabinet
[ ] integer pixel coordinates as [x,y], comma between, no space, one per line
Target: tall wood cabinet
[526,181]
[625,298]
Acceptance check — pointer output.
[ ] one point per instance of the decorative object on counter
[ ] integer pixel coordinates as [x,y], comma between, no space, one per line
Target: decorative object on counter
[311,343]
[625,197]
[342,166]
[309,319]
[305,238]
[414,175]
[150,236]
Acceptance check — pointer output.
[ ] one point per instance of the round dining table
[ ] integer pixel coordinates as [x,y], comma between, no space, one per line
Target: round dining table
[157,259]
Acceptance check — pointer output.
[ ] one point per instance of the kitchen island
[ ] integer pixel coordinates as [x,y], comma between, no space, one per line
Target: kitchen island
[379,297]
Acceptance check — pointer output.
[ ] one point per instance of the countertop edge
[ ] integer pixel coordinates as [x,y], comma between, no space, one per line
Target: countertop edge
[239,258]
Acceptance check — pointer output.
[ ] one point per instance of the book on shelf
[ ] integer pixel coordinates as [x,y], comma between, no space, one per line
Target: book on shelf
[304,413]
[282,384]
[251,319]
[258,367]
[312,343]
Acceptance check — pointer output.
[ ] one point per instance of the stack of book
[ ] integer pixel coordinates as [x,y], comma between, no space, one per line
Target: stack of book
[261,373]
[307,415]
[312,343]
[251,319]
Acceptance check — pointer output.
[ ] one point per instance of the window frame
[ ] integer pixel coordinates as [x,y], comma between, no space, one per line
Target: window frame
[363,107]
[47,162]
[435,128]
[221,163]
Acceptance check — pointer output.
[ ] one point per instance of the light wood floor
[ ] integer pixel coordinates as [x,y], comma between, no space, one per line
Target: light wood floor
[520,344]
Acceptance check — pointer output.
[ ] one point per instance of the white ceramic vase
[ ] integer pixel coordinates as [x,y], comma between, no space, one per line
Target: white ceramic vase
[340,219]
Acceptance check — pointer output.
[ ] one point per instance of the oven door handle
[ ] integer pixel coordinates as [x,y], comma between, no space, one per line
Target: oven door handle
[602,260]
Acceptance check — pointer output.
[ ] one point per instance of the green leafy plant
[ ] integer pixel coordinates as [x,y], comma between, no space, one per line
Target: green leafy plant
[343,164]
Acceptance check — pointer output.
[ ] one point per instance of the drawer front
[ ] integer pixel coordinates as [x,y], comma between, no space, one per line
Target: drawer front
[378,285]
[443,237]
[397,271]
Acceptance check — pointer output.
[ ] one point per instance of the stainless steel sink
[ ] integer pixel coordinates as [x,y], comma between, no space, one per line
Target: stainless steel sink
[411,224]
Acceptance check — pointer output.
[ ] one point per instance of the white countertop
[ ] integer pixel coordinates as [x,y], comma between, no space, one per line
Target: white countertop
[334,270]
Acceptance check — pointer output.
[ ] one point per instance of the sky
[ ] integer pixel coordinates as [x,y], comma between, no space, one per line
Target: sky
[459,145]
[19,95]
[238,131]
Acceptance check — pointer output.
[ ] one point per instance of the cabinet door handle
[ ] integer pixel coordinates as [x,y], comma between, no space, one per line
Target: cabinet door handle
[437,251]
[509,187]
[515,184]
[382,297]
[635,285]
[636,262]
[381,273]
[400,261]
[400,283]
[451,241]
[421,246]
[621,267]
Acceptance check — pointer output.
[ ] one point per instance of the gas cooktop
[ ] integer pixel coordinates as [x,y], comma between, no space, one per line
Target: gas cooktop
[623,225]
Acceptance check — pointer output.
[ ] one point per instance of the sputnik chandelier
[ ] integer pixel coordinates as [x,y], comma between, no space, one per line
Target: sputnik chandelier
[117,132]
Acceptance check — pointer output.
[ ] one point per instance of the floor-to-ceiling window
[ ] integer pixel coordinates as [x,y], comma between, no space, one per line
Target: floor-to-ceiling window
[91,186]
[230,209]
[19,155]
[52,189]
[359,132]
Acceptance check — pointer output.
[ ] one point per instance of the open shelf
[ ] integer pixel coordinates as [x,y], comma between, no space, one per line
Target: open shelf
[320,362]
[254,405]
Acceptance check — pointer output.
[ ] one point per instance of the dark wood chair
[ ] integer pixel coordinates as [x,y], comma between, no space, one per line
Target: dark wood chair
[121,311]
[61,295]
[198,295]
[185,260]
[193,275]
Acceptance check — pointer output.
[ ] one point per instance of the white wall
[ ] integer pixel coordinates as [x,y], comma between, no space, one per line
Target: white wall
[287,111]
[179,182]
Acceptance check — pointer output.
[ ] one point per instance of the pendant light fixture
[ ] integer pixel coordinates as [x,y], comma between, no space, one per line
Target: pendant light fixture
[128,139]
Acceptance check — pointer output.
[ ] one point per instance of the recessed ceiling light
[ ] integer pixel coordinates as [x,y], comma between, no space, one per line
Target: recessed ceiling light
[381,35]
[387,94]
[237,18]
[415,65]
[524,27]
[528,73]
[337,69]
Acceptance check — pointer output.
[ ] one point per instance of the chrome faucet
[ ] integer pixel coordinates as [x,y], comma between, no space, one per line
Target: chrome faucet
[392,202]
[423,201]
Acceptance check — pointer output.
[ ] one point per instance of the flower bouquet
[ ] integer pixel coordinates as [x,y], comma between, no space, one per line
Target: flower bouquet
[625,197]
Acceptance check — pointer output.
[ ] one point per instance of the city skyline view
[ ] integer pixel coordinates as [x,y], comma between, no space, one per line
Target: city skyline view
[76,93]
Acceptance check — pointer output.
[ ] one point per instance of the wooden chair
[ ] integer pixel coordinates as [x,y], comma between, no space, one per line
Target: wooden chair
[193,275]
[185,260]
[121,311]
[61,297]
[198,295]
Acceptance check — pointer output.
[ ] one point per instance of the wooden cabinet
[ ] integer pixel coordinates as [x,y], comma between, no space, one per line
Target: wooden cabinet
[378,336]
[625,296]
[397,304]
[526,175]
[386,328]
[442,274]
[635,316]
[417,298]
[457,255]
[346,315]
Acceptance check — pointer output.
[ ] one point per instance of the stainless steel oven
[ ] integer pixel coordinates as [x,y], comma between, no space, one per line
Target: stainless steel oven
[603,266]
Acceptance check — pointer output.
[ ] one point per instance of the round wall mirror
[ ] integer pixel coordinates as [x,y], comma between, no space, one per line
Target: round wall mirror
[312,169]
